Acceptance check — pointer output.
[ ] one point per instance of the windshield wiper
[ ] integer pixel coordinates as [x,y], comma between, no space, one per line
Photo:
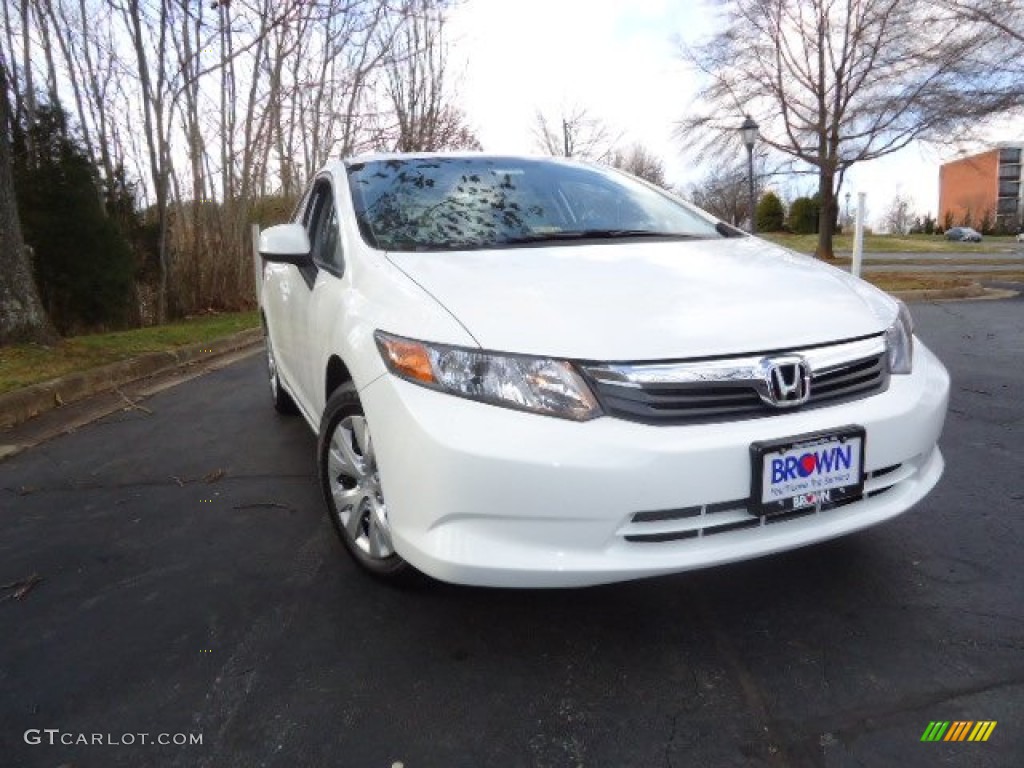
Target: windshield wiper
[595,234]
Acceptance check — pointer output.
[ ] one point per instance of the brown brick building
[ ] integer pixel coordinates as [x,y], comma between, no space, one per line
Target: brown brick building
[987,184]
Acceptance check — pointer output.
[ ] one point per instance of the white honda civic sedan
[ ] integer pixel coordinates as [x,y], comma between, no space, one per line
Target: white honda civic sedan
[542,373]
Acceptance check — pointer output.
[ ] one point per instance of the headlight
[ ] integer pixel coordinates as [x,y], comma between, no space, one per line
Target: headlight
[899,340]
[537,384]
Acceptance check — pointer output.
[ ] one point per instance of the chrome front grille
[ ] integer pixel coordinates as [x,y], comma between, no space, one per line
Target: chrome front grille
[734,388]
[866,376]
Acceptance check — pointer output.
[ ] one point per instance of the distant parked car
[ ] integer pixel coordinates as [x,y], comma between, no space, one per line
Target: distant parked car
[1020,237]
[963,235]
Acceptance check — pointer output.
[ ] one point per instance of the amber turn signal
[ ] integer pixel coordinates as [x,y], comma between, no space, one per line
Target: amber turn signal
[407,358]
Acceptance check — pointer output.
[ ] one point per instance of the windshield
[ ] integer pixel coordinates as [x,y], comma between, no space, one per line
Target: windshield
[459,203]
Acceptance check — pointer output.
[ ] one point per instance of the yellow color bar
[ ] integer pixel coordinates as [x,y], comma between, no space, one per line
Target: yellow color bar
[982,730]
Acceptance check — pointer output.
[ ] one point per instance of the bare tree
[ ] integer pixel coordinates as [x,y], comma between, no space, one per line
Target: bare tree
[899,216]
[833,83]
[418,84]
[47,19]
[11,56]
[639,161]
[724,193]
[205,108]
[725,189]
[26,69]
[579,135]
[1003,17]
[149,41]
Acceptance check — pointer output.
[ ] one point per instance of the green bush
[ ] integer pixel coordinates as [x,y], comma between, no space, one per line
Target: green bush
[771,216]
[84,266]
[803,216]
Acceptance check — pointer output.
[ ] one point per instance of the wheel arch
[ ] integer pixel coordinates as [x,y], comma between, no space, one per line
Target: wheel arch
[335,375]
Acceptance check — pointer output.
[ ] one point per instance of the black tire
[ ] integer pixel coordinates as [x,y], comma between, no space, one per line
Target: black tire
[283,402]
[341,418]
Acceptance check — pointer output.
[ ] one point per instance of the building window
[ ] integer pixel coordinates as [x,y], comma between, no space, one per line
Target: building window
[1008,155]
[1007,205]
[1009,189]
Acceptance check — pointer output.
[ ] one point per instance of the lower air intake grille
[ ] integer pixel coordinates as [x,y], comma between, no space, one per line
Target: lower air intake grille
[666,525]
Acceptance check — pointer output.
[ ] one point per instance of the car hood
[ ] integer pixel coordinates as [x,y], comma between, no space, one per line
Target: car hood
[648,301]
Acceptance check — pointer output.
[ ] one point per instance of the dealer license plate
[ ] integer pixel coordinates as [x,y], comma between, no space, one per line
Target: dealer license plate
[806,470]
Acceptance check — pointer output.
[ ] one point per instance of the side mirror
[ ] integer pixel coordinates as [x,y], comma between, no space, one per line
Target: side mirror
[286,243]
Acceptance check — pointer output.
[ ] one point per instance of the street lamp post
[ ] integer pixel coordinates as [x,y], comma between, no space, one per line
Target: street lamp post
[847,222]
[749,132]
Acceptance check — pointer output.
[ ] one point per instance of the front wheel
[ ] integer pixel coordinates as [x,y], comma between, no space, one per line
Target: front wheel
[283,402]
[351,486]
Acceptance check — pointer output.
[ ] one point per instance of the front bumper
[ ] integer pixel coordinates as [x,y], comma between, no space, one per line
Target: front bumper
[483,495]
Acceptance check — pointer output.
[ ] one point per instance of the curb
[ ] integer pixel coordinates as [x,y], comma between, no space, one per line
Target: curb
[968,292]
[22,404]
[930,294]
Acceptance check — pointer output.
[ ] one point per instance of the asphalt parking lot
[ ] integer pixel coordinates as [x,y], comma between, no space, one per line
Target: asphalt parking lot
[190,584]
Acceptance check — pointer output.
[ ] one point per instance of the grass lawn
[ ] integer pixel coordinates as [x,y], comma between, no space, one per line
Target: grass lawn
[945,261]
[895,243]
[909,281]
[24,364]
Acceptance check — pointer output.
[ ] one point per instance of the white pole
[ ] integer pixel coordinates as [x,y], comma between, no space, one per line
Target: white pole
[858,236]
[257,262]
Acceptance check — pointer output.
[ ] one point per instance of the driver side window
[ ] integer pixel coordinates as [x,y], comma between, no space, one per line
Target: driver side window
[321,221]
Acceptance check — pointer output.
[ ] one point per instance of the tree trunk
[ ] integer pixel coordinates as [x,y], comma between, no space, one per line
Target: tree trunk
[153,105]
[30,89]
[827,214]
[21,313]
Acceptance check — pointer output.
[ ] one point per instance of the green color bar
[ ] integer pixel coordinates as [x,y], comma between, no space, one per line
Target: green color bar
[935,731]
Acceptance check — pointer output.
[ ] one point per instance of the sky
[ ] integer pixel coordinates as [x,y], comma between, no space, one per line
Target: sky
[619,60]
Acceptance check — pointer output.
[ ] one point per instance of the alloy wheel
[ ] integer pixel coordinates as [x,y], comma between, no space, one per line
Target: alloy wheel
[272,368]
[354,484]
